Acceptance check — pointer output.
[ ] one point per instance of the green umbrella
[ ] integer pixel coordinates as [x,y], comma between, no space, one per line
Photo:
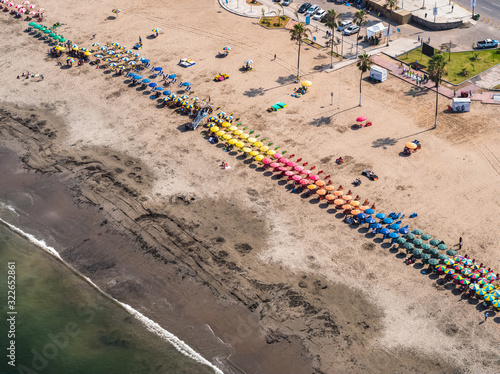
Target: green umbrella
[433,261]
[52,34]
[408,246]
[442,247]
[62,40]
[38,27]
[417,252]
[417,241]
[401,240]
[425,246]
[451,252]
[410,236]
[434,242]
[426,237]
[57,37]
[434,251]
[417,232]
[442,257]
[32,24]
[47,31]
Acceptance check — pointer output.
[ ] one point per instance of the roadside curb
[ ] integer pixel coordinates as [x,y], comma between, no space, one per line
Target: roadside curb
[223,5]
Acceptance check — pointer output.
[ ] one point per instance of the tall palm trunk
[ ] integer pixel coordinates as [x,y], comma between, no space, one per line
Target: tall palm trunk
[331,49]
[389,28]
[298,62]
[360,80]
[357,41]
[437,97]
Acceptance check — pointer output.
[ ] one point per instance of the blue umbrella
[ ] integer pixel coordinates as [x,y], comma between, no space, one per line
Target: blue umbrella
[380,215]
[361,216]
[376,226]
[186,84]
[172,76]
[370,220]
[394,235]
[153,84]
[137,76]
[388,220]
[130,74]
[145,60]
[369,211]
[385,231]
[157,68]
[146,80]
[404,231]
[167,92]
[394,226]
[159,88]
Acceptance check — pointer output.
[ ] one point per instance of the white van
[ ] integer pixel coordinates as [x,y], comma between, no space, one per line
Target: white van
[377,73]
[344,24]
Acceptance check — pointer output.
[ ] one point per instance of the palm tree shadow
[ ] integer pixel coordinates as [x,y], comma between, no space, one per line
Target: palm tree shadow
[384,142]
[321,121]
[286,80]
[415,91]
[253,92]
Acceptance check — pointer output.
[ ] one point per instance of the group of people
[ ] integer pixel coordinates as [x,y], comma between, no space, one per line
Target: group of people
[30,75]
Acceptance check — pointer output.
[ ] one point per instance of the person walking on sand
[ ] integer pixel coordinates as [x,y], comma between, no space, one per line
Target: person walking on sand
[460,243]
[274,59]
[486,315]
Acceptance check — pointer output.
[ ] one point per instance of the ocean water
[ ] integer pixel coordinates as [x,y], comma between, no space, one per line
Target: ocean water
[64,325]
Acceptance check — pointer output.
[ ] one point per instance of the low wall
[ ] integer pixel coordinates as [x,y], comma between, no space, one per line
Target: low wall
[436,26]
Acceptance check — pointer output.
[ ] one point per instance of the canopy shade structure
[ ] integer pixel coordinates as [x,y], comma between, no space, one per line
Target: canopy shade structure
[378,27]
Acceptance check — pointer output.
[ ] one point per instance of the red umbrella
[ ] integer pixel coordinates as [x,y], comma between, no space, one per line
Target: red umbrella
[289,173]
[314,177]
[306,172]
[296,178]
[274,164]
[361,119]
[303,182]
[282,168]
[298,168]
[277,156]
[266,160]
[291,164]
[284,160]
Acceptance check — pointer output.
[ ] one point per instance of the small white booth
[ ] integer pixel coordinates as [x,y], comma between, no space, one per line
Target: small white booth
[377,73]
[460,104]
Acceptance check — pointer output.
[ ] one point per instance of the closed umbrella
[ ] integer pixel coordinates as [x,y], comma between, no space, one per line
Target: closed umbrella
[425,246]
[401,240]
[417,241]
[417,232]
[408,246]
[426,237]
[442,247]
[434,242]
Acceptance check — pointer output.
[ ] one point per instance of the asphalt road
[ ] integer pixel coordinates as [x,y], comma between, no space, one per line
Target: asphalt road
[487,8]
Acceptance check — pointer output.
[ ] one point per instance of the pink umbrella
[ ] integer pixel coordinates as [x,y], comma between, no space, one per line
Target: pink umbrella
[266,160]
[284,160]
[18,6]
[32,6]
[361,119]
[289,173]
[297,178]
[303,182]
[32,13]
[298,168]
[277,156]
[291,164]
[282,168]
[314,177]
[306,172]
[26,3]
[10,4]
[21,10]
[41,10]
[274,164]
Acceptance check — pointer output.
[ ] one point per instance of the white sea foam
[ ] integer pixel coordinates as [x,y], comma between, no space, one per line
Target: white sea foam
[11,208]
[152,326]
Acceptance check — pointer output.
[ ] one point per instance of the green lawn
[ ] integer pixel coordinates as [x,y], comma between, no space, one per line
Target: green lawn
[459,60]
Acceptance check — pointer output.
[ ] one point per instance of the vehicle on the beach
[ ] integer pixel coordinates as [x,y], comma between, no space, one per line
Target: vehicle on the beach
[353,29]
[304,7]
[487,43]
[344,24]
[286,2]
[319,14]
[312,9]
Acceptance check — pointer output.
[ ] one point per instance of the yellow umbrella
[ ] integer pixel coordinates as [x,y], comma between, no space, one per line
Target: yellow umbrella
[239,144]
[75,49]
[88,54]
[60,48]
[307,83]
[263,148]
[237,132]
[244,136]
[225,124]
[232,141]
[251,141]
[214,129]
[270,152]
[227,136]
[259,158]
[220,133]
[246,149]
[232,128]
[411,145]
[254,153]
[256,144]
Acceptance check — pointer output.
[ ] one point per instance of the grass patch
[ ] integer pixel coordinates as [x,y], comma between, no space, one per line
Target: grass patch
[274,22]
[497,87]
[459,61]
[312,43]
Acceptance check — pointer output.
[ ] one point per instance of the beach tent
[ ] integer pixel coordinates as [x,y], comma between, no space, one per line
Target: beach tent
[379,27]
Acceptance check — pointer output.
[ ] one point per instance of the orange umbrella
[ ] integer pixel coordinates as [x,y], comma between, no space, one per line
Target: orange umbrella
[363,207]
[330,197]
[355,211]
[411,145]
[338,193]
[330,188]
[347,197]
[339,202]
[312,187]
[346,206]
[355,203]
[321,192]
[320,183]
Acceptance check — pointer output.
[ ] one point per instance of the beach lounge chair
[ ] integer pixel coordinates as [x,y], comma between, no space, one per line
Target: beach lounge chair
[137,46]
[283,105]
[186,62]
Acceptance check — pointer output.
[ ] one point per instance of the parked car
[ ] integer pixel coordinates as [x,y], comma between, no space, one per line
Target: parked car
[304,7]
[487,43]
[313,9]
[344,25]
[353,29]
[319,14]
[286,2]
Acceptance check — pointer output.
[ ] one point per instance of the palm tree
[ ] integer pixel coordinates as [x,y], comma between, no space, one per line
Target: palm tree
[360,19]
[447,47]
[391,4]
[437,69]
[364,64]
[332,21]
[298,33]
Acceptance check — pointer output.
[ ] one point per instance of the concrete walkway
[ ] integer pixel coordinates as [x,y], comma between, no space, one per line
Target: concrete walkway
[447,11]
[489,79]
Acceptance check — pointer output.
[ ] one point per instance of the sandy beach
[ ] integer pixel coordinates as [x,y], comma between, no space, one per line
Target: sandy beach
[143,208]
